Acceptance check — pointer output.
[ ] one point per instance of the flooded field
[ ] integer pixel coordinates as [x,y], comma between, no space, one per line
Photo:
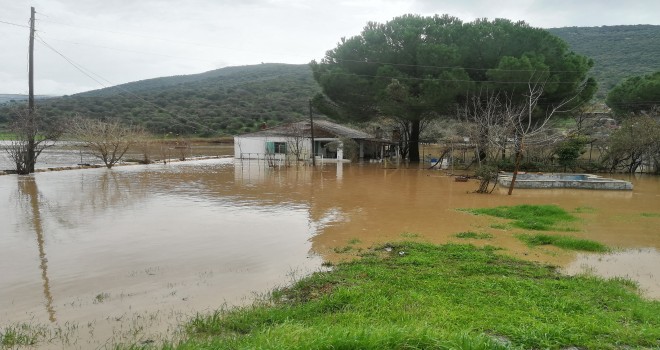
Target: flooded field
[67,153]
[98,256]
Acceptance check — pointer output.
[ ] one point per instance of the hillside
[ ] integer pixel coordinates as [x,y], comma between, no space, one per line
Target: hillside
[618,52]
[221,102]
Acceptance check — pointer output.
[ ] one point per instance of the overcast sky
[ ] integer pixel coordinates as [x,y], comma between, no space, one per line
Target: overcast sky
[118,41]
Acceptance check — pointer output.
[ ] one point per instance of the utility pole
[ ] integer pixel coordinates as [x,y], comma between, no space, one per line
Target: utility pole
[31,64]
[311,128]
[30,154]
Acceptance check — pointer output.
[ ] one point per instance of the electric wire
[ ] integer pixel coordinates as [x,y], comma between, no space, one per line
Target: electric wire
[14,24]
[131,51]
[85,72]
[451,67]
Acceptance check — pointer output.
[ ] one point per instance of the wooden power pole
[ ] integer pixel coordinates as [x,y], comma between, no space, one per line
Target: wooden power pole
[30,156]
[311,129]
[31,64]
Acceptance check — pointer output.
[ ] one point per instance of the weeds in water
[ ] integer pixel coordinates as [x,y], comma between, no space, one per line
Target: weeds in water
[410,235]
[564,242]
[530,217]
[343,250]
[101,297]
[20,335]
[584,210]
[633,285]
[500,226]
[473,235]
[354,241]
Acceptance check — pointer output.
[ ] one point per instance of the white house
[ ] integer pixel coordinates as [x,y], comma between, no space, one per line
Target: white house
[294,141]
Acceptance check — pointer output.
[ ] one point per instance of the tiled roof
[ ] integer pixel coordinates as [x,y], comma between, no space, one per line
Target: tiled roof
[302,128]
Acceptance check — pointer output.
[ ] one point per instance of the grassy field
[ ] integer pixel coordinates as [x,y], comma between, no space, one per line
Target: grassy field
[422,296]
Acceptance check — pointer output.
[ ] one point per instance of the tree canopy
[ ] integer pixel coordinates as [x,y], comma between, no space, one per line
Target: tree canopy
[636,94]
[415,68]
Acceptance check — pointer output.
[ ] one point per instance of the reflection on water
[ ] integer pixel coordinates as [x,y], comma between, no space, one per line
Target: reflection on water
[27,187]
[161,242]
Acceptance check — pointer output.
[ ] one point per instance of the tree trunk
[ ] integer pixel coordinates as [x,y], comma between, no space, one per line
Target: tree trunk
[414,141]
[483,144]
[518,147]
[515,172]
[31,158]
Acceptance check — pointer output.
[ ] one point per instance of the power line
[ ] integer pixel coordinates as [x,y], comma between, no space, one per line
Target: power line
[452,67]
[83,70]
[151,37]
[132,51]
[75,65]
[15,24]
[448,80]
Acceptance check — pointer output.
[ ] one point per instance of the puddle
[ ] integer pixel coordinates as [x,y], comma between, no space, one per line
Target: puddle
[640,265]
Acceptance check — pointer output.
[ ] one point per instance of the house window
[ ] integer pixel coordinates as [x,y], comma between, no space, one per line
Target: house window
[276,147]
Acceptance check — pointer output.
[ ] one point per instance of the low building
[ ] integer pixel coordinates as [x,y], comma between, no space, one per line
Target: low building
[293,141]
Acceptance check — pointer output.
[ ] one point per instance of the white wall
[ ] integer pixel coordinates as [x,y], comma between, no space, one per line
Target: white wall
[255,147]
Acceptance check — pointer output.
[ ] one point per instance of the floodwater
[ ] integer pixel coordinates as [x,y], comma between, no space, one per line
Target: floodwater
[96,256]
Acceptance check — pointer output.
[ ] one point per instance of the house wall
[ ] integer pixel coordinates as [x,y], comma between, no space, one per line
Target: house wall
[255,147]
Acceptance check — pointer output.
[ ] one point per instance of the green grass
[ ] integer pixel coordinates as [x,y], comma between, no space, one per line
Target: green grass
[7,136]
[531,217]
[21,335]
[650,215]
[564,242]
[473,235]
[436,297]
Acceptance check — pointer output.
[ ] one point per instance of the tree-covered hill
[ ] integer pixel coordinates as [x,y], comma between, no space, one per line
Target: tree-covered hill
[619,52]
[221,102]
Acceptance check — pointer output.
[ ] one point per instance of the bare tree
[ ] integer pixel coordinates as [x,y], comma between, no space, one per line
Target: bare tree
[106,140]
[528,125]
[498,118]
[182,147]
[32,136]
[490,126]
[295,140]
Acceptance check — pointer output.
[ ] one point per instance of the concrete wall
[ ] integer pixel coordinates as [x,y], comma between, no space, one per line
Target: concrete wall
[255,147]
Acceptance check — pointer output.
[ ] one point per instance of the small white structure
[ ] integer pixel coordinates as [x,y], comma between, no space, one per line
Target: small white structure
[294,142]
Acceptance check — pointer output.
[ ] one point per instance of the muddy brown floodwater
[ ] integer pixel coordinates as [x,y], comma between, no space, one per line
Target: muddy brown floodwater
[94,257]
